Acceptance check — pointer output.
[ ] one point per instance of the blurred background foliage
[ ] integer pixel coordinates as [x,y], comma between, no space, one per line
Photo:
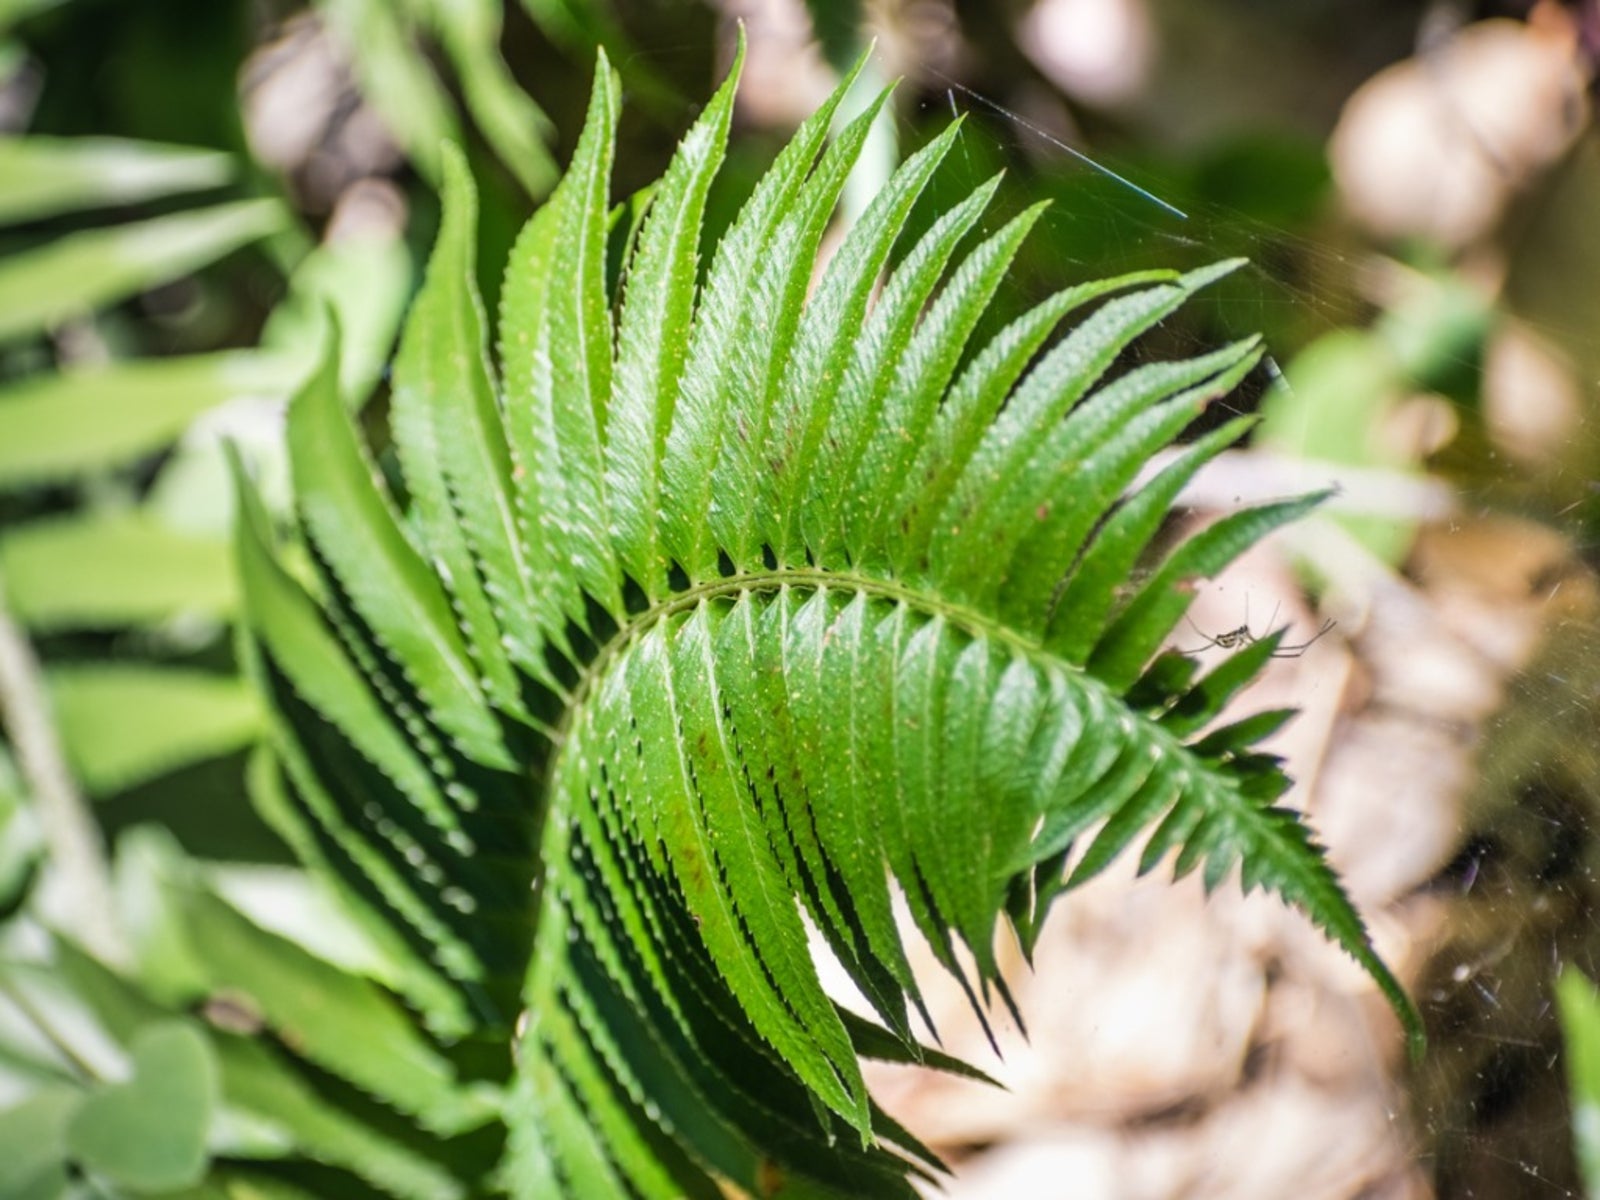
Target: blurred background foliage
[189,189]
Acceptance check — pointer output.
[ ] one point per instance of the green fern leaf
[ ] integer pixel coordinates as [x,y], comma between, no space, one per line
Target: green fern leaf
[736,612]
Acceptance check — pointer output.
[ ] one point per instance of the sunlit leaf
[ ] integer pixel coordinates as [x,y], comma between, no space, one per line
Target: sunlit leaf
[364,281]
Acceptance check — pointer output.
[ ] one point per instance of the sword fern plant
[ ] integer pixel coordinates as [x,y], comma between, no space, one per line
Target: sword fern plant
[728,612]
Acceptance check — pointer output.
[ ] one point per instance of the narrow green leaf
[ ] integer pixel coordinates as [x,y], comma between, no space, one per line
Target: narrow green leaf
[872,1042]
[365,279]
[1231,740]
[1153,797]
[827,668]
[826,338]
[291,1106]
[297,640]
[335,1019]
[514,125]
[742,328]
[42,176]
[1199,705]
[1100,764]
[395,76]
[879,349]
[749,653]
[584,1167]
[1279,854]
[642,1159]
[75,274]
[759,892]
[1020,743]
[921,686]
[1054,503]
[953,866]
[776,240]
[972,404]
[829,1070]
[1062,378]
[405,970]
[920,383]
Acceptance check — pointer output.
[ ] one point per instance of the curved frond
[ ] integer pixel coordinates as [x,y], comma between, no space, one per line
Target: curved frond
[738,614]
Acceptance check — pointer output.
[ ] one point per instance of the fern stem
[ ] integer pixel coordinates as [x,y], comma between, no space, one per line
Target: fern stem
[70,830]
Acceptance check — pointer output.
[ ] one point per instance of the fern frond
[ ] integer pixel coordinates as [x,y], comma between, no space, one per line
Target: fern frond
[738,612]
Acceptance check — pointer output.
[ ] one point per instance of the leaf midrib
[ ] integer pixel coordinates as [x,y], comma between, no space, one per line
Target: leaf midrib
[966,618]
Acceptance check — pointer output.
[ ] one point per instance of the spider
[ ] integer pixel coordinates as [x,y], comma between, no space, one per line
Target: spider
[1238,638]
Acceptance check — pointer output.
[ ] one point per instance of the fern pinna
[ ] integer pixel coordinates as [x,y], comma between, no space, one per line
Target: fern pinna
[722,609]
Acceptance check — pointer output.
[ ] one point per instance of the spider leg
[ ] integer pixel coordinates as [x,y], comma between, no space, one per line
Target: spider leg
[1211,642]
[1298,650]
